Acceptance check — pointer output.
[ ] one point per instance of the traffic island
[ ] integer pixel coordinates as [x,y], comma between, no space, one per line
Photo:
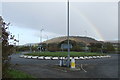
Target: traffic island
[58,58]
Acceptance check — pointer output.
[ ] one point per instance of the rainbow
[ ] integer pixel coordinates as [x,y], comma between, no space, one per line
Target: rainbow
[88,21]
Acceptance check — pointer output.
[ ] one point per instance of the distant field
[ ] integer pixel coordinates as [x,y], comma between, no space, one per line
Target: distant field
[64,54]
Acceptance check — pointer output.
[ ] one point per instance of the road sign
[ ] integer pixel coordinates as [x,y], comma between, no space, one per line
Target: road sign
[65,46]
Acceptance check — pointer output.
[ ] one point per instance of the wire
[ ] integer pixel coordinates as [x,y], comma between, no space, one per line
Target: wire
[82,68]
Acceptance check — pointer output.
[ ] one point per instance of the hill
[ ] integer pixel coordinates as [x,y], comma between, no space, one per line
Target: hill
[85,40]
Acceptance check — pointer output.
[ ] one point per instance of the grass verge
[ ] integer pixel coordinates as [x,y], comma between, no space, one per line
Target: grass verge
[64,54]
[18,74]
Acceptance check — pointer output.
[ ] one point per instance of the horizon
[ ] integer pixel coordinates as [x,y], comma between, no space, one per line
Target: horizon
[71,36]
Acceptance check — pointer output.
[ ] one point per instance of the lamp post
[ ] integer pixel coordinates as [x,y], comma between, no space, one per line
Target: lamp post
[18,39]
[46,37]
[86,42]
[41,35]
[46,44]
[41,38]
[30,48]
[102,48]
[68,57]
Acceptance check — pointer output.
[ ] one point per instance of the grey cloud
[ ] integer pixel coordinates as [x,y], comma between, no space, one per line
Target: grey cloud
[52,16]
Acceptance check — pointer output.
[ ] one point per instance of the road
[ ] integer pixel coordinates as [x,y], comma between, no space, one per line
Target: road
[96,68]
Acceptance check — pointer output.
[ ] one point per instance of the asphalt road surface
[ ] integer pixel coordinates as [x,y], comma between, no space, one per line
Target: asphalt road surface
[96,68]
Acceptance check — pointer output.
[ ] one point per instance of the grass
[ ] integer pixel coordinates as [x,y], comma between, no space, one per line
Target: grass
[17,52]
[64,54]
[18,74]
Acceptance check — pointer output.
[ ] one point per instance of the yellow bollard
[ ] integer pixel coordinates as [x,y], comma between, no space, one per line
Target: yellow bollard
[72,63]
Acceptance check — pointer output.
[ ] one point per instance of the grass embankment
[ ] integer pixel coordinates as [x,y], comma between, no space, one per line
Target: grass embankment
[64,54]
[18,74]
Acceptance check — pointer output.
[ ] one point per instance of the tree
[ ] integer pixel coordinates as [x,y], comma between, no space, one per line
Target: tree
[22,48]
[108,48]
[6,48]
[95,47]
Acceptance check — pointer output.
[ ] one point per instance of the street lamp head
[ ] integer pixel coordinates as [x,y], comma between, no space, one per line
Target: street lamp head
[41,30]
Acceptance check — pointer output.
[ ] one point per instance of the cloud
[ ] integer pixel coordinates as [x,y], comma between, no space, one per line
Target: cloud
[52,16]
[46,35]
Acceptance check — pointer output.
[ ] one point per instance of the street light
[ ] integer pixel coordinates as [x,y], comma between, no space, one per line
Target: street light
[86,41]
[41,39]
[46,43]
[41,35]
[18,39]
[46,36]
[68,58]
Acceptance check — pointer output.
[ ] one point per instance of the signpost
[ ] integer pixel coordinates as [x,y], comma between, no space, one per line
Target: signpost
[64,46]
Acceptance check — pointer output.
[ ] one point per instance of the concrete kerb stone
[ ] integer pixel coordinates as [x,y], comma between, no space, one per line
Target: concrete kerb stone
[47,58]
[108,56]
[86,57]
[94,57]
[71,57]
[81,58]
[98,56]
[102,56]
[21,56]
[25,56]
[34,57]
[61,58]
[55,58]
[41,57]
[29,57]
[76,58]
[90,57]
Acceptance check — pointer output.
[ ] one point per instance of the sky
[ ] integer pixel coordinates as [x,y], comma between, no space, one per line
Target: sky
[98,20]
